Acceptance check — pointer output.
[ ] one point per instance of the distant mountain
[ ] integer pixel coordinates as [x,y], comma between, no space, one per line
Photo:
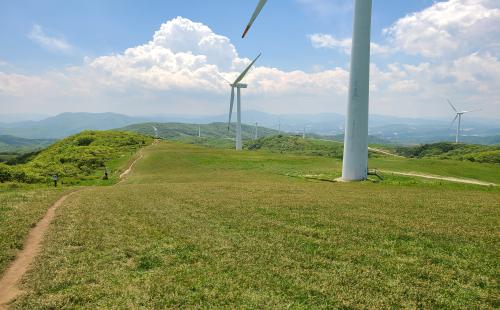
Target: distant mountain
[395,129]
[66,124]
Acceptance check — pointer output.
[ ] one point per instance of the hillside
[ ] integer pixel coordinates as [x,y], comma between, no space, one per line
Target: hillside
[296,145]
[195,227]
[13,144]
[82,157]
[180,131]
[444,150]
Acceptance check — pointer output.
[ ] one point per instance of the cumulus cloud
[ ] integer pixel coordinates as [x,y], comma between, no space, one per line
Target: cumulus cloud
[178,71]
[53,44]
[454,27]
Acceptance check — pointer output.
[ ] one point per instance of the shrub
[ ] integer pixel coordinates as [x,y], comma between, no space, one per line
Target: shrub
[5,173]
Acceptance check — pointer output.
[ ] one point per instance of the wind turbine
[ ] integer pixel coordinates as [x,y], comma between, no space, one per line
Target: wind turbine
[355,163]
[256,130]
[238,85]
[459,117]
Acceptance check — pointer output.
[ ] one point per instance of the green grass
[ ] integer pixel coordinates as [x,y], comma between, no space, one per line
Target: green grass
[21,207]
[196,227]
[460,151]
[452,168]
[78,159]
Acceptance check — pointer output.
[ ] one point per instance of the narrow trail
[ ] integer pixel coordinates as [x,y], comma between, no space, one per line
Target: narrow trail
[9,280]
[11,277]
[375,150]
[439,177]
[129,169]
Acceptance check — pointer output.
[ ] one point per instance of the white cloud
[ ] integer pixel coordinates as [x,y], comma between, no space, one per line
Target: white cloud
[57,45]
[322,40]
[178,72]
[454,27]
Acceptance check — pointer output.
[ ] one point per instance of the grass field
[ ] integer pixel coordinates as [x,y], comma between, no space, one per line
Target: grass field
[205,228]
[21,207]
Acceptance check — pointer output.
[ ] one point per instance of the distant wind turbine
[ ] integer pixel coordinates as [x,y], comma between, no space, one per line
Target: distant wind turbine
[355,163]
[156,131]
[238,85]
[459,117]
[256,131]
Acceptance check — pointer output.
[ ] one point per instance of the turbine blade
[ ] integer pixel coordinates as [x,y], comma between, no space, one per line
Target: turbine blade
[242,75]
[222,77]
[451,105]
[454,120]
[256,13]
[476,110]
[230,108]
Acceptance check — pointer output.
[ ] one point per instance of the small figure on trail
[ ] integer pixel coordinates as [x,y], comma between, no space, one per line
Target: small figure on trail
[105,177]
[55,178]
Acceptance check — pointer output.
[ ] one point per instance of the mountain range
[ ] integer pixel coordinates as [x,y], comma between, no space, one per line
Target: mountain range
[394,129]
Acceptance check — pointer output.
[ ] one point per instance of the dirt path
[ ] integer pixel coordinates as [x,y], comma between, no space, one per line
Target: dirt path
[9,289]
[375,150]
[129,169]
[439,177]
[8,283]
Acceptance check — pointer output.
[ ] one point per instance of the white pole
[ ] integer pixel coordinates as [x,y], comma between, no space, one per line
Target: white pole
[199,131]
[355,163]
[256,131]
[458,128]
[238,125]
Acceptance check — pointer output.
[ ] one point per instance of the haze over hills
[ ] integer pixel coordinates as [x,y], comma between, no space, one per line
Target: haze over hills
[16,144]
[394,129]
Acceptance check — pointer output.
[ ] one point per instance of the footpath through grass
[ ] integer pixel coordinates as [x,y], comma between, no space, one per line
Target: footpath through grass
[200,228]
[21,207]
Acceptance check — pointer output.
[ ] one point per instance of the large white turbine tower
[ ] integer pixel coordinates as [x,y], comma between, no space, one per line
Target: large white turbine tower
[355,164]
[459,117]
[238,85]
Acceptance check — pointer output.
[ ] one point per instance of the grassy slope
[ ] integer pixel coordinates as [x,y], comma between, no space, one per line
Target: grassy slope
[22,206]
[81,158]
[180,131]
[202,227]
[20,209]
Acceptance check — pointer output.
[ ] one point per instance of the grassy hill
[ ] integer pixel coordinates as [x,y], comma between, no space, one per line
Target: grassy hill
[200,227]
[82,157]
[181,131]
[12,144]
[445,150]
[296,145]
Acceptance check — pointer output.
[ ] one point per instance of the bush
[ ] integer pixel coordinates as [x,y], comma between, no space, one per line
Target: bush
[492,157]
[78,157]
[5,173]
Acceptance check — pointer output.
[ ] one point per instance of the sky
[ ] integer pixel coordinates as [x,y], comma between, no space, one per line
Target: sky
[172,57]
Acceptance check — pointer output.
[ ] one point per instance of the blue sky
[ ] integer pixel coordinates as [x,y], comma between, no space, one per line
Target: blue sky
[61,56]
[102,27]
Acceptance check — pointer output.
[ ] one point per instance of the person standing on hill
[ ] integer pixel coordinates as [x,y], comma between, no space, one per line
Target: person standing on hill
[55,178]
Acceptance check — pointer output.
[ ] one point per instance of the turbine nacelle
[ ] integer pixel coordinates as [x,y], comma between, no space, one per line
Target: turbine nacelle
[239,85]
